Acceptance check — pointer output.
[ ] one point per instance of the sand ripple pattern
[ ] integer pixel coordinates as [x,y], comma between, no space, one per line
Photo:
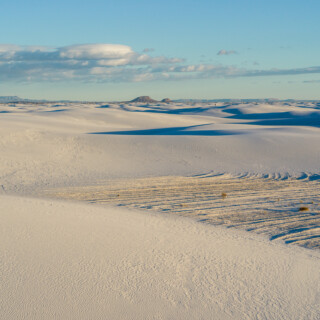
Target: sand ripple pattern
[281,207]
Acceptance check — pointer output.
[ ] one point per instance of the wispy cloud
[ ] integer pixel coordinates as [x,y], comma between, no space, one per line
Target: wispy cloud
[311,81]
[226,52]
[282,72]
[148,50]
[113,63]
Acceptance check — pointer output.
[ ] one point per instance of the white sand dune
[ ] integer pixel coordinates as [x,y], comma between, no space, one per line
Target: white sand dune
[67,260]
[74,261]
[74,144]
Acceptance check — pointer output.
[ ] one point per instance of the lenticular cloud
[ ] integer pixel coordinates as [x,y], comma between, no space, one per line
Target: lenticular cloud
[89,62]
[96,51]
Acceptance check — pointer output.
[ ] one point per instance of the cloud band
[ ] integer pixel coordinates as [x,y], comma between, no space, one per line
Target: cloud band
[112,63]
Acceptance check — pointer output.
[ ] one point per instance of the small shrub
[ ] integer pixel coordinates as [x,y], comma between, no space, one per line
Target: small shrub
[303,209]
[223,195]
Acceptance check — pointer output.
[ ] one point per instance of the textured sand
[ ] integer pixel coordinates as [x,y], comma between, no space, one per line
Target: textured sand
[75,261]
[283,208]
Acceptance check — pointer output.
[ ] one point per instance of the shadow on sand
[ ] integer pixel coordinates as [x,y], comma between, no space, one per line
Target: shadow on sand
[173,131]
[280,119]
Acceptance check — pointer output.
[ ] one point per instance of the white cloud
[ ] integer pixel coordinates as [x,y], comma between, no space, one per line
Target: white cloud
[95,51]
[113,62]
[9,48]
[226,52]
[84,62]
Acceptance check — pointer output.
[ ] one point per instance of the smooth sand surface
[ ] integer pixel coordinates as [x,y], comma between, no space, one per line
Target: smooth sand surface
[74,261]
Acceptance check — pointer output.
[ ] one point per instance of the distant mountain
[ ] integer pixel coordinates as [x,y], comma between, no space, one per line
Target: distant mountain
[4,99]
[144,99]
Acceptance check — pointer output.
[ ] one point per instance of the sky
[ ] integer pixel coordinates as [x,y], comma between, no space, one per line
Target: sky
[102,50]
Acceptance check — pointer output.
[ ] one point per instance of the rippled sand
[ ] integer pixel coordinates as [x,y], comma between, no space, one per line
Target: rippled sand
[283,208]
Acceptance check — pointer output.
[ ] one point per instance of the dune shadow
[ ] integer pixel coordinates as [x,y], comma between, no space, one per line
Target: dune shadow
[179,111]
[56,110]
[159,109]
[172,131]
[105,106]
[280,119]
[295,231]
[304,121]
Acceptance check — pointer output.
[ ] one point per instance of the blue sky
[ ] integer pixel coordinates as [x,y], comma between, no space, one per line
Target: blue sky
[96,50]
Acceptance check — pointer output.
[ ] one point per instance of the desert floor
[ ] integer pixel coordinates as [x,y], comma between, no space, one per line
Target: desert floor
[161,211]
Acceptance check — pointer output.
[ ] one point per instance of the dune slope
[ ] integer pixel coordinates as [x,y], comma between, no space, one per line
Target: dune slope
[74,261]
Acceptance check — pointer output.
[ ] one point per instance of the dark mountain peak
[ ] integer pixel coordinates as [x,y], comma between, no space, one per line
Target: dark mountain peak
[144,99]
